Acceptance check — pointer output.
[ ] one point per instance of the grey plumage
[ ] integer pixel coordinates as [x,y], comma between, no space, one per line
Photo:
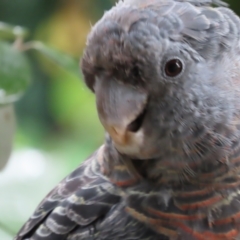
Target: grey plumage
[166,78]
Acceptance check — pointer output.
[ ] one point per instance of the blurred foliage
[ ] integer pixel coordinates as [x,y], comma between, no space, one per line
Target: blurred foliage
[57,113]
[8,31]
[58,101]
[14,73]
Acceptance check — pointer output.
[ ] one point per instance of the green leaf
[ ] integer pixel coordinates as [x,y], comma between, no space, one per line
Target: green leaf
[15,74]
[61,59]
[8,31]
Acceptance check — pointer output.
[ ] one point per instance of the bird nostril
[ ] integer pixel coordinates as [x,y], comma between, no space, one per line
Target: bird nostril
[135,125]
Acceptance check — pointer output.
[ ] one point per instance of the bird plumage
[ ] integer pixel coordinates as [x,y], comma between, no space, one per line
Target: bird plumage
[166,78]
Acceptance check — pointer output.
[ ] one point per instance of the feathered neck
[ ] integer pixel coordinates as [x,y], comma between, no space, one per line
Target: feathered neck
[217,168]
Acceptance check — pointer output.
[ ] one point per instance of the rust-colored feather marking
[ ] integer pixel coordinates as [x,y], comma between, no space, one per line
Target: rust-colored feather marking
[158,225]
[194,193]
[235,218]
[171,216]
[199,204]
[207,235]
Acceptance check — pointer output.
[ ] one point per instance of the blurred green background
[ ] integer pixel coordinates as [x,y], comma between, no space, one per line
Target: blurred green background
[57,123]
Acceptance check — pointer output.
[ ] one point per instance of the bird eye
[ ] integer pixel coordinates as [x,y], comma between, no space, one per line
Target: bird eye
[135,72]
[173,67]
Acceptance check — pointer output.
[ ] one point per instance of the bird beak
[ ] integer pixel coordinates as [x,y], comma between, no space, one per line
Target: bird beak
[119,105]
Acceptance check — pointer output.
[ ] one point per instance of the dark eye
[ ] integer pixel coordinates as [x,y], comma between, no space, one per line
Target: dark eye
[98,69]
[135,72]
[173,67]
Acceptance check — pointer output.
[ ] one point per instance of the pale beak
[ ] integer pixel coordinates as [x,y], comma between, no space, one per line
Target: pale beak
[120,109]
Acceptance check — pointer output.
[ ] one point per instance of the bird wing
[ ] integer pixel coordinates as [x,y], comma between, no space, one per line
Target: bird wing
[80,199]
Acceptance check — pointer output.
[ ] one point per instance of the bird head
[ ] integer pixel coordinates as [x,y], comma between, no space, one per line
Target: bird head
[165,75]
